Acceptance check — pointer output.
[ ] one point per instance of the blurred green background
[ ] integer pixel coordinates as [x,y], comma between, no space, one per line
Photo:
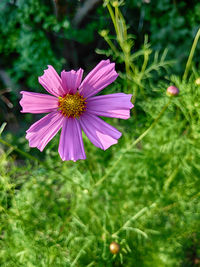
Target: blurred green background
[146,196]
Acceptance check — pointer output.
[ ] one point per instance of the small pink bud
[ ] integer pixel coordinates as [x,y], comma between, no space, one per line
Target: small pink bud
[172,91]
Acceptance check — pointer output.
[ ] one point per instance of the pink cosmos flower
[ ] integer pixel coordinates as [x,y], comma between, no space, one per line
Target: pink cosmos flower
[73,107]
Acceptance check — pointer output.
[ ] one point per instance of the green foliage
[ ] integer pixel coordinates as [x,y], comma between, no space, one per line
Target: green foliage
[140,65]
[170,23]
[25,40]
[32,37]
[149,203]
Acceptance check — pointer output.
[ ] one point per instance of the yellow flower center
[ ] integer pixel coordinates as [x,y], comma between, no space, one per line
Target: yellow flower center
[72,105]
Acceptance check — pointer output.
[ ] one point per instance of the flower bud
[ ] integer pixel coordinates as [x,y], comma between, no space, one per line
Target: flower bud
[172,91]
[114,247]
[115,4]
[104,33]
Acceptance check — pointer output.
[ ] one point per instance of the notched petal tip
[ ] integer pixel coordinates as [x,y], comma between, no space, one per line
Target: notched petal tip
[109,141]
[100,133]
[130,97]
[22,101]
[116,105]
[51,81]
[32,145]
[37,103]
[107,61]
[72,159]
[98,78]
[71,80]
[50,66]
[42,131]
[45,70]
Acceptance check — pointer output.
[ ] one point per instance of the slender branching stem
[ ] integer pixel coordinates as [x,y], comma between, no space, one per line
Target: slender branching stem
[133,218]
[189,61]
[112,46]
[112,17]
[129,147]
[24,154]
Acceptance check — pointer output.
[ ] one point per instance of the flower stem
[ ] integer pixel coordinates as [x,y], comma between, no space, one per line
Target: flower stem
[21,152]
[112,46]
[170,178]
[133,144]
[191,55]
[112,17]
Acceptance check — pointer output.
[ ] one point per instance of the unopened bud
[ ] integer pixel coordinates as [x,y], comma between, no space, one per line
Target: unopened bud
[115,4]
[104,33]
[172,91]
[197,81]
[127,48]
[114,247]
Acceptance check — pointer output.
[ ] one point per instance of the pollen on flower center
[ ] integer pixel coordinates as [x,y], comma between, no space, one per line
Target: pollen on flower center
[72,105]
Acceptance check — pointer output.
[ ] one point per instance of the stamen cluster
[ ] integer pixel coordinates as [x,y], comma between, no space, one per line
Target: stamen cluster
[72,105]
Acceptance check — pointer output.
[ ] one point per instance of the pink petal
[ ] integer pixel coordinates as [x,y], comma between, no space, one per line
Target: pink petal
[71,142]
[71,80]
[42,131]
[52,82]
[100,133]
[100,77]
[37,103]
[113,105]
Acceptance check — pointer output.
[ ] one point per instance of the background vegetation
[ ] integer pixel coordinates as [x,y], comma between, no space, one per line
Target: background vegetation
[142,193]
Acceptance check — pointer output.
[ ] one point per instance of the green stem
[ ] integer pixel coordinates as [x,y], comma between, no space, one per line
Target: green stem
[133,218]
[191,55]
[133,144]
[21,152]
[111,45]
[150,127]
[80,253]
[144,65]
[170,178]
[112,17]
